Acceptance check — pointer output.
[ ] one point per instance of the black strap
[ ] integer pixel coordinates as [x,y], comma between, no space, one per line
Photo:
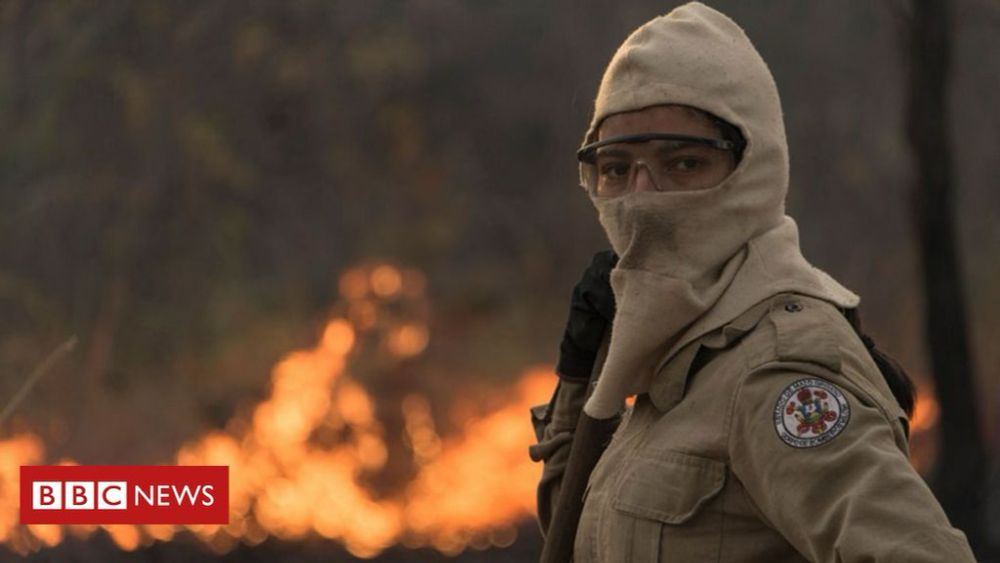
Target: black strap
[892,371]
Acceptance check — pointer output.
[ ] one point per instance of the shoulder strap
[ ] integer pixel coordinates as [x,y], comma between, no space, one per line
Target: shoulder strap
[895,376]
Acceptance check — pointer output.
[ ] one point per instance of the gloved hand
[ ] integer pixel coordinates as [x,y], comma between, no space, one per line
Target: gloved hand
[592,309]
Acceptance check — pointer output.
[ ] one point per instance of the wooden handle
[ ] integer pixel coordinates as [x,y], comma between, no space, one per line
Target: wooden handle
[590,439]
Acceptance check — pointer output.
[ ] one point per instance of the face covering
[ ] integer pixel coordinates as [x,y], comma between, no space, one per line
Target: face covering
[691,261]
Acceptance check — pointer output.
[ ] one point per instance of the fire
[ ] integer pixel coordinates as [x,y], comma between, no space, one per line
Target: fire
[923,448]
[494,490]
[925,412]
[299,461]
[24,449]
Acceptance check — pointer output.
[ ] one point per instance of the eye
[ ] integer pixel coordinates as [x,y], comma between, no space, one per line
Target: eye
[686,164]
[615,170]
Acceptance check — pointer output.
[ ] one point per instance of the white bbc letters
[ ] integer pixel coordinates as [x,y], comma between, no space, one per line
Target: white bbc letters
[79,495]
[111,495]
[46,495]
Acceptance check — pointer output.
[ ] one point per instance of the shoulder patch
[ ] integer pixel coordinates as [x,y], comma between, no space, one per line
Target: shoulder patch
[810,412]
[804,331]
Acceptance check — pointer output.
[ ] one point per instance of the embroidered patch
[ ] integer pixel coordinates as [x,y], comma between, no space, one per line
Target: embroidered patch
[810,412]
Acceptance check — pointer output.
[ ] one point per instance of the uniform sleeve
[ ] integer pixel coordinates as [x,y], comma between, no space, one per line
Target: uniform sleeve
[554,427]
[824,465]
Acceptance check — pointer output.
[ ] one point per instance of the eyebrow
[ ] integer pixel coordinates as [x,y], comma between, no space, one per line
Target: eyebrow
[612,152]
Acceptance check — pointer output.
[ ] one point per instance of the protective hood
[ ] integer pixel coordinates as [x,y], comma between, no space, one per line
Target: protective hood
[691,261]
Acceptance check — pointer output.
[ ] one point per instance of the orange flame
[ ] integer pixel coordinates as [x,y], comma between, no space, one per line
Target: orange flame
[467,490]
[926,411]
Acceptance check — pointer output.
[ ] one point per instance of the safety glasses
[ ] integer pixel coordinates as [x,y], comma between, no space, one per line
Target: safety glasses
[672,162]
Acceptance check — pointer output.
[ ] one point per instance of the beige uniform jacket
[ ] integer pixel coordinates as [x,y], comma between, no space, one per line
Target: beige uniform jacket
[773,438]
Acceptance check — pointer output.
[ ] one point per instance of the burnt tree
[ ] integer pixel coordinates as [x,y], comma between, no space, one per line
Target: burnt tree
[960,471]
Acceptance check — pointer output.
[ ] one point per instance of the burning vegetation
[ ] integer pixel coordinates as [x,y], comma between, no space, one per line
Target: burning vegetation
[304,460]
[313,456]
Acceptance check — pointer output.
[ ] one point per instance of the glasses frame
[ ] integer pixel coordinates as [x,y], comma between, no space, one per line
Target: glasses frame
[588,153]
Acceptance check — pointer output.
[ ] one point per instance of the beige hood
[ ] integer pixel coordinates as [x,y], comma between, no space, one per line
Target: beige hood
[691,261]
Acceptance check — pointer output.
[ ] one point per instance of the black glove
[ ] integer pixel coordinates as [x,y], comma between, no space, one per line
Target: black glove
[591,310]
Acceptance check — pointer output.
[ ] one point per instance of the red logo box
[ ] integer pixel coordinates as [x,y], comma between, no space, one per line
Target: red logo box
[124,494]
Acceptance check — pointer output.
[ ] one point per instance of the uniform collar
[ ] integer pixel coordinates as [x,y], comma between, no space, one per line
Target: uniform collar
[670,383]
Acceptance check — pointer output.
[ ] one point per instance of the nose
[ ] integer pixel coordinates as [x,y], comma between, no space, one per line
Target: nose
[644,179]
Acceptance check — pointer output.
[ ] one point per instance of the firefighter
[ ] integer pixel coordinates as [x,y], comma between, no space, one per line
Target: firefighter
[762,427]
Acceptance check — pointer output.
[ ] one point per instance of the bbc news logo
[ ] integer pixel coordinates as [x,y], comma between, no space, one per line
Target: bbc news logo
[124,494]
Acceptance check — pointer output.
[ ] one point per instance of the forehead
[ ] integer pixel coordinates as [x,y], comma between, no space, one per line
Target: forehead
[658,119]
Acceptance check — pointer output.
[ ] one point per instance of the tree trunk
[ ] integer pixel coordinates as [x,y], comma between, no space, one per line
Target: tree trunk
[960,472]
